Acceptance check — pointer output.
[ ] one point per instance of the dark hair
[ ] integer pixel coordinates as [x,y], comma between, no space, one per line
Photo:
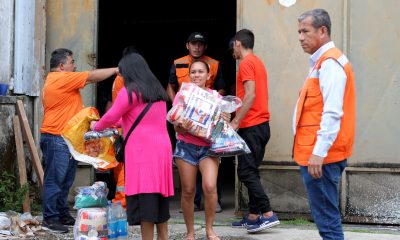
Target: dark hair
[129,49]
[138,78]
[320,18]
[201,61]
[246,38]
[59,56]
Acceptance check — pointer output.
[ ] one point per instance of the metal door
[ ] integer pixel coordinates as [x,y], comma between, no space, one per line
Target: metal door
[72,24]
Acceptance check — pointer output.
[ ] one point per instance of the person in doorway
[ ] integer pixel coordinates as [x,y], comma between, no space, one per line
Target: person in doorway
[148,178]
[191,156]
[252,122]
[324,121]
[196,45]
[61,101]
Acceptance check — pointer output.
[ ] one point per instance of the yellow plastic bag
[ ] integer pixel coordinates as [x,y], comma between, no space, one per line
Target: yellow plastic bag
[98,152]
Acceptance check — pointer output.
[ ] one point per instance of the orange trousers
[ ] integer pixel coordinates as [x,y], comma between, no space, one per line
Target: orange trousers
[119,178]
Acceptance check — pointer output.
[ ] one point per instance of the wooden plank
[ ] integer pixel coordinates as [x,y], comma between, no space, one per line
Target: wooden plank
[29,138]
[21,162]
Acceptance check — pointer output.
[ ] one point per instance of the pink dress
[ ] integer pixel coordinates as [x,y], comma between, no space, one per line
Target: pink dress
[148,153]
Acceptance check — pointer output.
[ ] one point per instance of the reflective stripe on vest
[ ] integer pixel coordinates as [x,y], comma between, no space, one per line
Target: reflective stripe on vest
[309,112]
[182,70]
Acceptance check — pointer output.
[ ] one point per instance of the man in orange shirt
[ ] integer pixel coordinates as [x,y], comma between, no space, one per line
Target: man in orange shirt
[252,120]
[61,101]
[324,121]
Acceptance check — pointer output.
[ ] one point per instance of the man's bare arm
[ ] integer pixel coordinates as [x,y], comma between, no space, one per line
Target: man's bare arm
[98,75]
[247,102]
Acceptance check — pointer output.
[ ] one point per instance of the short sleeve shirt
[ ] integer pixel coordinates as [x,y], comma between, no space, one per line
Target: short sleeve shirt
[61,99]
[251,68]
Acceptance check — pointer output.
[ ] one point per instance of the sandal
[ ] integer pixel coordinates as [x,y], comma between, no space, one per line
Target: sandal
[214,237]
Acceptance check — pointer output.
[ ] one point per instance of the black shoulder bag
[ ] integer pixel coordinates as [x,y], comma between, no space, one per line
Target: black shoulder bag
[120,142]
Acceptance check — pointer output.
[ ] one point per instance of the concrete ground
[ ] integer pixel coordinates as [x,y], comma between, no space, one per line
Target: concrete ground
[288,230]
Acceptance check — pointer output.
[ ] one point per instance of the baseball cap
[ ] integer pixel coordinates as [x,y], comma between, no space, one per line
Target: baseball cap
[197,37]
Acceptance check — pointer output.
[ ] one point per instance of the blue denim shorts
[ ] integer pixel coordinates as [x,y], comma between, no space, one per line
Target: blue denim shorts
[190,153]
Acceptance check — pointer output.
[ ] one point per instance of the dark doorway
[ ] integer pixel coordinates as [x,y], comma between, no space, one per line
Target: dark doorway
[159,29]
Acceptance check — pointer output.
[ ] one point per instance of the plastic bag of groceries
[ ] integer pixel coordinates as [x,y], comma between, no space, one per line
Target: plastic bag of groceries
[97,151]
[201,111]
[198,109]
[228,142]
[91,196]
[91,224]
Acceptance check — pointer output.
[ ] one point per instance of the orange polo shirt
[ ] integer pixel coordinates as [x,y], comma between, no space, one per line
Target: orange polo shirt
[61,99]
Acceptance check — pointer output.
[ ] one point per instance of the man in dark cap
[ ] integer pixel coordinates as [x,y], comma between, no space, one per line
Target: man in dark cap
[196,44]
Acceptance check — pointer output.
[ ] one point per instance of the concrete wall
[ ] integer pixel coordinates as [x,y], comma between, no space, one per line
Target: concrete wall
[368,33]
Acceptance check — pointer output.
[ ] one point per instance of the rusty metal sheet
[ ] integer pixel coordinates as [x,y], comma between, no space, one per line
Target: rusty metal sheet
[72,24]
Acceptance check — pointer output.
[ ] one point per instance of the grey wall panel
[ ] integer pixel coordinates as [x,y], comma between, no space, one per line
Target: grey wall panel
[23,45]
[375,55]
[275,29]
[6,39]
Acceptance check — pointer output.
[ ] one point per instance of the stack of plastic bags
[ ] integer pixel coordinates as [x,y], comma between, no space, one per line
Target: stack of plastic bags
[199,112]
[91,221]
[97,151]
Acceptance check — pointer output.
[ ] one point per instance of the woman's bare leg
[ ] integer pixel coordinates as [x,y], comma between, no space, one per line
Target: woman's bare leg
[187,174]
[162,231]
[209,173]
[147,230]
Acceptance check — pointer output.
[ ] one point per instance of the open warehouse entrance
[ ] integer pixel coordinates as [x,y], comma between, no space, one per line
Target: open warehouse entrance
[159,31]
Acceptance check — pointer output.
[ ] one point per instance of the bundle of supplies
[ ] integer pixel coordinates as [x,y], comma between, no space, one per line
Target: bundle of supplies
[91,196]
[91,224]
[199,112]
[88,146]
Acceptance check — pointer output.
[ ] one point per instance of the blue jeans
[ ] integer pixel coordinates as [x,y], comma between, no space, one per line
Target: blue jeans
[59,176]
[323,197]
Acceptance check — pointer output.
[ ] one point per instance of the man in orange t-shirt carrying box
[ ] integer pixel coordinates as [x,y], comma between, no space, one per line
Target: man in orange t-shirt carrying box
[61,101]
[252,120]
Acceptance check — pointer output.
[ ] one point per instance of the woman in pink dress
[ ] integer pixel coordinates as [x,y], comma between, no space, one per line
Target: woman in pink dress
[148,152]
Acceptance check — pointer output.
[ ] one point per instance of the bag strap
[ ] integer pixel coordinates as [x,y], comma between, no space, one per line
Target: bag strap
[138,119]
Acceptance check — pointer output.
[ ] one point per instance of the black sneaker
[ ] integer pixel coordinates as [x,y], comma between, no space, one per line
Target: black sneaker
[54,226]
[67,220]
